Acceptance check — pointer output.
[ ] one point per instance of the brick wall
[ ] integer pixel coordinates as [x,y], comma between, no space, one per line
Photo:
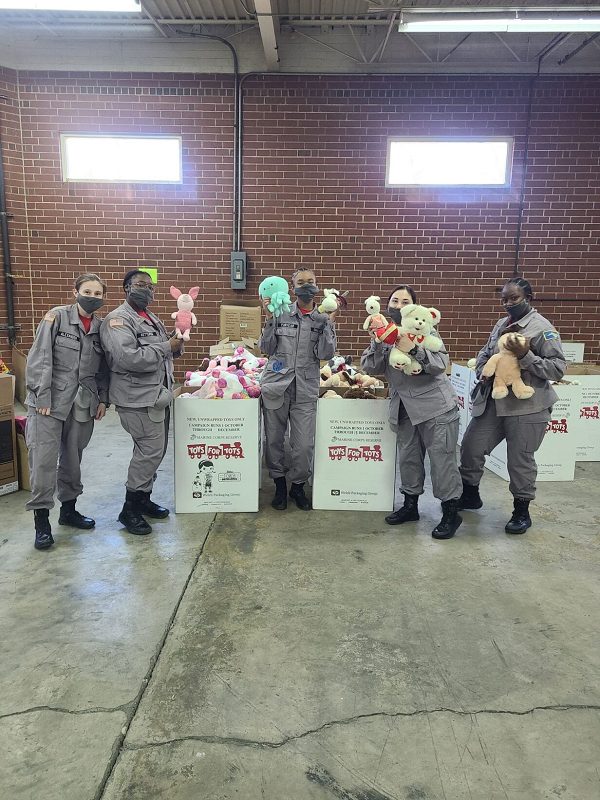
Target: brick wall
[314,172]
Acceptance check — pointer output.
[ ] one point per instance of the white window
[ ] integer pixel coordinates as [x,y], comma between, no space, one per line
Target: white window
[444,161]
[121,159]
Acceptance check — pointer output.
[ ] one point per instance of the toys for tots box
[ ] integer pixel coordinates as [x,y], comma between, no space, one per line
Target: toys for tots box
[355,456]
[217,454]
[588,422]
[9,476]
[463,380]
[556,457]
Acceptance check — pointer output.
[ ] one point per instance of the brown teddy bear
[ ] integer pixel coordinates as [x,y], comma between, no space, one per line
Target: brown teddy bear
[504,367]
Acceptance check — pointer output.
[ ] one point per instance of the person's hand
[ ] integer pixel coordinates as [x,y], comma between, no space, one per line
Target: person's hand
[176,344]
[332,314]
[45,412]
[101,411]
[265,304]
[517,347]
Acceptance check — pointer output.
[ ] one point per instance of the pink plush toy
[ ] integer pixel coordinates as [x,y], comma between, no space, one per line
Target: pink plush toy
[185,317]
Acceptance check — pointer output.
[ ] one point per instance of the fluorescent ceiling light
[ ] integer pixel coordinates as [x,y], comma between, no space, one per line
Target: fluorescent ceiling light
[71,5]
[499,25]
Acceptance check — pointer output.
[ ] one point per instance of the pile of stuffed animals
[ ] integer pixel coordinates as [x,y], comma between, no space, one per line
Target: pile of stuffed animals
[339,373]
[227,377]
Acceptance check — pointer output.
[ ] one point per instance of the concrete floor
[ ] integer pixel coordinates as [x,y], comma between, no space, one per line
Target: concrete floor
[292,656]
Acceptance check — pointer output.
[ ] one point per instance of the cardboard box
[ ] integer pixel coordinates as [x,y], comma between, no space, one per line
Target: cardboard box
[355,456]
[226,347]
[9,473]
[588,423]
[23,463]
[556,457]
[19,363]
[227,434]
[380,391]
[573,351]
[463,380]
[241,320]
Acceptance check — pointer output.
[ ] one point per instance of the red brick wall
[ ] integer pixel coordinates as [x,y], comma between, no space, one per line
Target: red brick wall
[314,192]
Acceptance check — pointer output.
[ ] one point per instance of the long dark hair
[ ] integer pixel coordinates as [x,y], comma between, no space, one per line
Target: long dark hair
[409,289]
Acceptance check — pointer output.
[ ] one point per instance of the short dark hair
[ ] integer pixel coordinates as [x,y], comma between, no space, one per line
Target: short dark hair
[522,284]
[131,274]
[89,276]
[302,268]
[409,289]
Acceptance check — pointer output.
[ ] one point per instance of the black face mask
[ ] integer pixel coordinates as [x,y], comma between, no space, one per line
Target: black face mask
[518,310]
[395,315]
[306,292]
[141,297]
[90,304]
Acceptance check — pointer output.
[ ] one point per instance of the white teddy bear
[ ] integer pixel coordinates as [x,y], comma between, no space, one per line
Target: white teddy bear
[417,324]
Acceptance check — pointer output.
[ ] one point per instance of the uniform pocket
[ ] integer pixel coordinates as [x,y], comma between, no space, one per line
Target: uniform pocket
[445,435]
[532,429]
[66,351]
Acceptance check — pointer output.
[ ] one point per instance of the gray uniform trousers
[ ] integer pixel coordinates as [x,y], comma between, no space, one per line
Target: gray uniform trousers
[150,441]
[50,440]
[524,435]
[437,437]
[303,420]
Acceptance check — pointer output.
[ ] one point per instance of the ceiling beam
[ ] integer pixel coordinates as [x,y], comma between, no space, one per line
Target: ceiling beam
[268,32]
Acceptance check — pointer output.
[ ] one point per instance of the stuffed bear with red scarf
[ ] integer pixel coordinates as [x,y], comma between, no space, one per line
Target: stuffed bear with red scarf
[417,330]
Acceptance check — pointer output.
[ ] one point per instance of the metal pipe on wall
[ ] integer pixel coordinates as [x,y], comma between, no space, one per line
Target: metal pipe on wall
[6,258]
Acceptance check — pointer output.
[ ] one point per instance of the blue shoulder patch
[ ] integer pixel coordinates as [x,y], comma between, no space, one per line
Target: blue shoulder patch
[551,335]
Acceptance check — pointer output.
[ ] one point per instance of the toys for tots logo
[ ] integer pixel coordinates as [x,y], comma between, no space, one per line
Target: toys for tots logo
[557,426]
[214,451]
[364,453]
[589,412]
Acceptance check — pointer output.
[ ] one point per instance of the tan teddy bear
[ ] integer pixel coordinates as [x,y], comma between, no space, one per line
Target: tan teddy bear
[504,367]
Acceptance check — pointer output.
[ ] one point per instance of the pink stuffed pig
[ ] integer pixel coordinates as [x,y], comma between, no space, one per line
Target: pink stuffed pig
[184,317]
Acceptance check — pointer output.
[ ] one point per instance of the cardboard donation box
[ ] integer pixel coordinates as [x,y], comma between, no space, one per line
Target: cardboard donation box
[355,456]
[240,320]
[463,380]
[226,347]
[19,365]
[556,457]
[9,473]
[217,454]
[573,351]
[588,422]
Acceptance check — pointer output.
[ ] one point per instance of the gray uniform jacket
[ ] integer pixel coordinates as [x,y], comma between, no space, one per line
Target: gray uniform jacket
[296,343]
[424,396]
[139,356]
[65,363]
[544,362]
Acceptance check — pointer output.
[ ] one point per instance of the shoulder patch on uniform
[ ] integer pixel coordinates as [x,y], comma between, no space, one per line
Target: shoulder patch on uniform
[115,322]
[50,317]
[551,335]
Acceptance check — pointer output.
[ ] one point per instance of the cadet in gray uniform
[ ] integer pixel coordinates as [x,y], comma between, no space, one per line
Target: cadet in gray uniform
[67,383]
[140,355]
[424,413]
[522,423]
[296,342]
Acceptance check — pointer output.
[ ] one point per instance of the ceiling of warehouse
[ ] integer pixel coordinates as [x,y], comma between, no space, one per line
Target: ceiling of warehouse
[357,36]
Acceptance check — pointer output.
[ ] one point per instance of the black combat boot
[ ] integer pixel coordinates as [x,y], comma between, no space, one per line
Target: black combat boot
[70,516]
[470,498]
[131,516]
[520,520]
[298,496]
[409,512]
[450,521]
[279,502]
[43,531]
[150,508]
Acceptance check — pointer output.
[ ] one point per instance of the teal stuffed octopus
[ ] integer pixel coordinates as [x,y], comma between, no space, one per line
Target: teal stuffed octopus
[277,291]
